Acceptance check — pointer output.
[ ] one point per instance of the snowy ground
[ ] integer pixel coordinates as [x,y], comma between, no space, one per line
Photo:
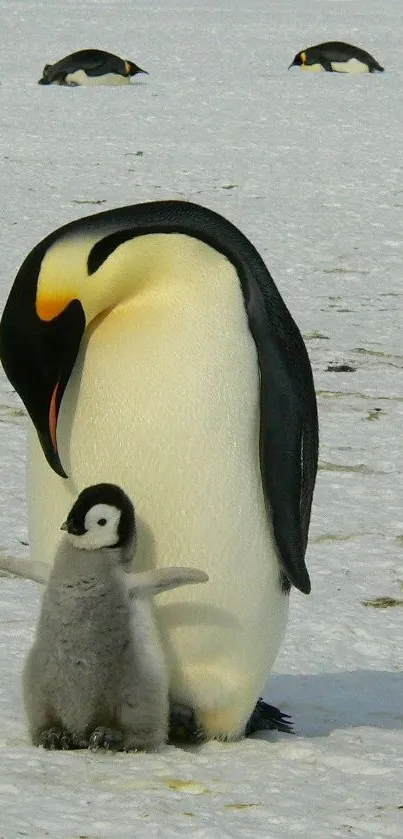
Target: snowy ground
[307,165]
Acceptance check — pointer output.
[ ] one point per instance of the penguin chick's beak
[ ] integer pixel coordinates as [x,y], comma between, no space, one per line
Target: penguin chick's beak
[70,526]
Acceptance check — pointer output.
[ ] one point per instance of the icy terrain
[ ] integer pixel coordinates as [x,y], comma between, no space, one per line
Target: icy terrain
[309,166]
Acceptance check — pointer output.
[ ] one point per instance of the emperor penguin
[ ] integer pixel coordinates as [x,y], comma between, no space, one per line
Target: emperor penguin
[152,349]
[336,57]
[96,674]
[90,67]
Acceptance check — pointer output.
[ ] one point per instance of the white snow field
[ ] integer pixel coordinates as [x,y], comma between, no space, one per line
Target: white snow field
[309,166]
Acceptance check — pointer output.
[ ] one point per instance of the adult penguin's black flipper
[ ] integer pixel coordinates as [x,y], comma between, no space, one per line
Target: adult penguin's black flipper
[288,422]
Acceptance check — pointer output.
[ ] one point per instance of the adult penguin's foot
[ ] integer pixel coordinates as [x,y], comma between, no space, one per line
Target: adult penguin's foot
[183,727]
[268,718]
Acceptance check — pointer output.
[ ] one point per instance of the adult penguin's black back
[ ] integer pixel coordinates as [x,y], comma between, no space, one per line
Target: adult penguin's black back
[336,57]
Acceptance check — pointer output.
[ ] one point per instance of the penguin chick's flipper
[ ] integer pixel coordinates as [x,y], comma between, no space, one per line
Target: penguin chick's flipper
[268,718]
[37,571]
[148,583]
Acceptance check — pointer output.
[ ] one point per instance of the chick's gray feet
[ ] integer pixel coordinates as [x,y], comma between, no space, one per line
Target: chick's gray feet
[106,738]
[59,738]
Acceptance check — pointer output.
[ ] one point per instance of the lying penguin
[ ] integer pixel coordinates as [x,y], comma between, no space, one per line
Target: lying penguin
[336,57]
[90,67]
[96,675]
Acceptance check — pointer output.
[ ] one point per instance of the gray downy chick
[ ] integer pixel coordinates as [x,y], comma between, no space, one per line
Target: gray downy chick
[96,675]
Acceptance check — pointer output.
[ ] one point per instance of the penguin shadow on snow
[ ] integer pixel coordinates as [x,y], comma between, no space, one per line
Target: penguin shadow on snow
[325,702]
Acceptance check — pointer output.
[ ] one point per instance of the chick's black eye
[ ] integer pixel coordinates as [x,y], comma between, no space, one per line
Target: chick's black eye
[102,522]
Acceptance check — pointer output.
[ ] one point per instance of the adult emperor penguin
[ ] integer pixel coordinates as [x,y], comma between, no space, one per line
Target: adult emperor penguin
[336,57]
[90,67]
[153,350]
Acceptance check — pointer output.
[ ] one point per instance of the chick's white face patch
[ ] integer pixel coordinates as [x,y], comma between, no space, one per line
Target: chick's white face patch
[101,525]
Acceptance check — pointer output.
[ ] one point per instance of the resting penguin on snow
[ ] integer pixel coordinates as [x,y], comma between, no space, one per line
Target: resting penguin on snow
[336,57]
[152,349]
[90,67]
[96,674]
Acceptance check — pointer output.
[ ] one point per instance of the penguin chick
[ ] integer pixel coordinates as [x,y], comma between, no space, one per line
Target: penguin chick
[96,675]
[336,57]
[90,67]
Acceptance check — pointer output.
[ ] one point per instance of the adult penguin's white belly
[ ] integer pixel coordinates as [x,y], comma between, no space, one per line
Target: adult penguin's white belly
[164,401]
[81,78]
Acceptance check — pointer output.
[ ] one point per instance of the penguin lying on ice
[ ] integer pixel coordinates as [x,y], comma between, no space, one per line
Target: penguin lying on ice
[90,67]
[152,349]
[336,57]
[96,675]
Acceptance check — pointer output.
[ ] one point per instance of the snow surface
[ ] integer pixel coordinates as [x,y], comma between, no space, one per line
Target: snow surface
[307,165]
